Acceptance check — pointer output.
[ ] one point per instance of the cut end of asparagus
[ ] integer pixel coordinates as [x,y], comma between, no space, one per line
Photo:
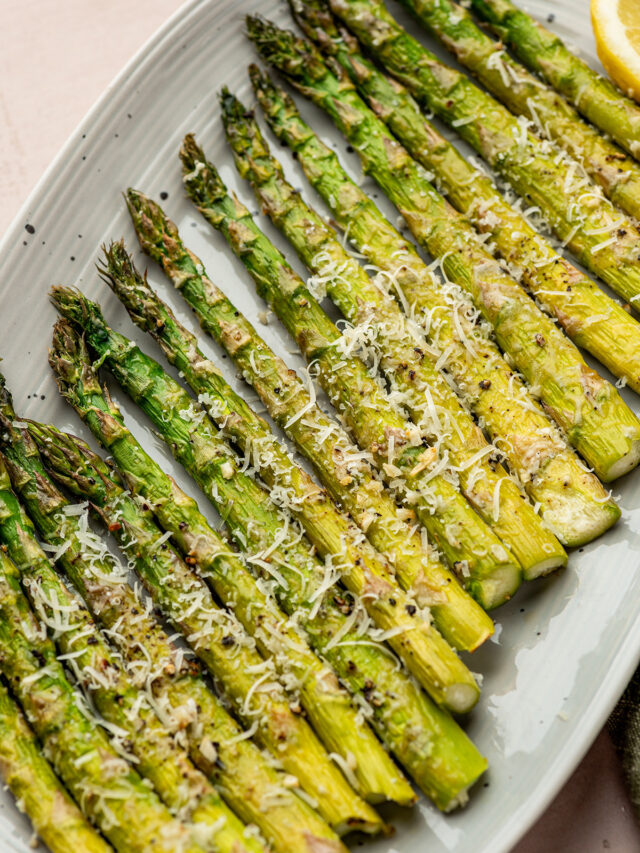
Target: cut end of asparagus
[360,825]
[623,465]
[544,567]
[493,591]
[576,508]
[591,523]
[461,698]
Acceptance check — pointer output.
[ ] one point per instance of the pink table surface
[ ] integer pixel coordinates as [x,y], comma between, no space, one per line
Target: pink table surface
[56,58]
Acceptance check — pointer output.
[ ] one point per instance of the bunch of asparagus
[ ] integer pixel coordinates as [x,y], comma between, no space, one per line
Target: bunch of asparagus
[572,392]
[320,630]
[573,205]
[590,318]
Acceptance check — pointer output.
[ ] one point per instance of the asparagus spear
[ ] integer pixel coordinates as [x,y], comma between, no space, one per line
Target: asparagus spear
[345,471]
[38,791]
[524,94]
[217,744]
[489,571]
[176,589]
[544,52]
[591,411]
[590,318]
[399,347]
[425,739]
[203,446]
[179,784]
[574,207]
[110,792]
[577,512]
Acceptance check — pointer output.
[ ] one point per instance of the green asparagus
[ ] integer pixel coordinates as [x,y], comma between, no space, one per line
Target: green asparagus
[379,778]
[410,636]
[344,470]
[406,457]
[28,775]
[275,467]
[179,784]
[398,346]
[596,420]
[572,501]
[110,792]
[249,680]
[216,743]
[426,740]
[590,318]
[544,52]
[253,436]
[524,94]
[602,239]
[185,599]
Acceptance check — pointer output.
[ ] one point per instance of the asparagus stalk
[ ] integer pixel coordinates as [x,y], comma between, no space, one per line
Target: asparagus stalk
[399,346]
[38,791]
[574,207]
[590,318]
[217,744]
[590,410]
[111,793]
[344,470]
[202,446]
[175,588]
[426,740]
[489,571]
[577,512]
[593,95]
[182,787]
[524,94]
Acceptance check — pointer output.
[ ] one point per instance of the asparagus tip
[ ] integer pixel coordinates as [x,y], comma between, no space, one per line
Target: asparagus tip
[269,96]
[117,265]
[315,20]
[6,400]
[68,458]
[200,177]
[232,107]
[69,359]
[277,46]
[256,75]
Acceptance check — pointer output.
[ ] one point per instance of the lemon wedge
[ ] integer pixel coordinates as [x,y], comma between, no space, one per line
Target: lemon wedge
[616,26]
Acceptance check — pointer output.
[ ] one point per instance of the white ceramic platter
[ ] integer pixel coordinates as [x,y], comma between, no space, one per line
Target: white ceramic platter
[567,645]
